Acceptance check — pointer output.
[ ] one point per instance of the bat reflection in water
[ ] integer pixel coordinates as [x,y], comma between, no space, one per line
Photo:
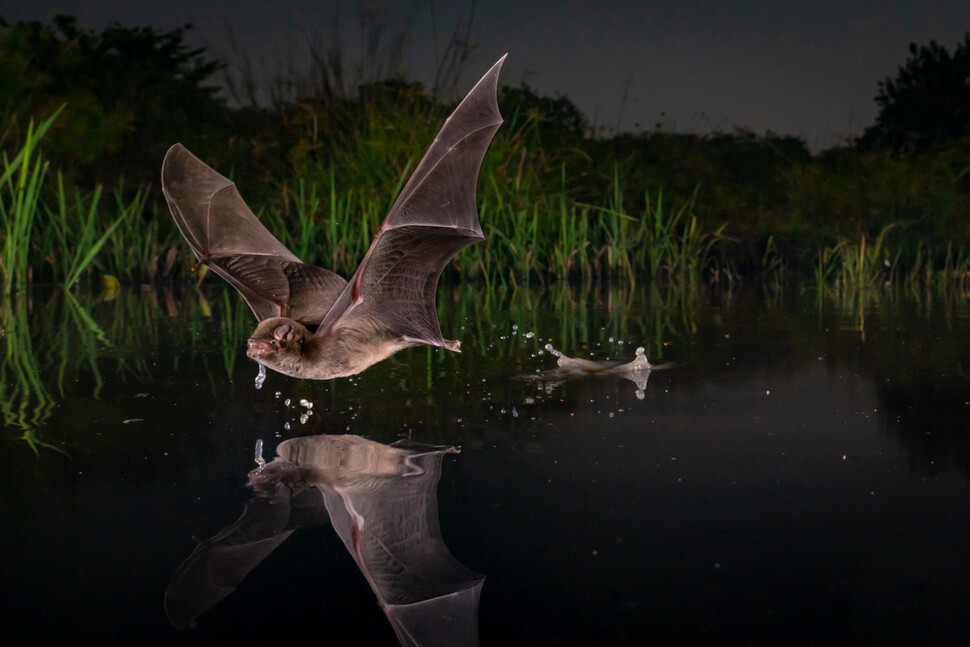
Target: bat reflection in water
[382,503]
[637,371]
[312,323]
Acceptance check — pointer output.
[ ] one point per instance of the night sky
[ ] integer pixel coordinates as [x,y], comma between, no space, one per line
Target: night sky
[795,67]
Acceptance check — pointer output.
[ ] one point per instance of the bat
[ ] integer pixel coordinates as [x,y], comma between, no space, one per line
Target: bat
[312,323]
[381,501]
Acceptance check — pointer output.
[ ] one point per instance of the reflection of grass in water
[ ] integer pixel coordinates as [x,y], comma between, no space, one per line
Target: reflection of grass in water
[585,313]
[237,324]
[50,347]
[47,347]
[945,300]
[86,351]
[66,341]
[24,400]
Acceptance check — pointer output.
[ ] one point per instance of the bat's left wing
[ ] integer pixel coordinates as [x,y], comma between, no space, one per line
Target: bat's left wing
[226,235]
[434,218]
[218,565]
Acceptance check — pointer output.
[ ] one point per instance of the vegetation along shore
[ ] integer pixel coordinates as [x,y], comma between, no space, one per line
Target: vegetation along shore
[87,118]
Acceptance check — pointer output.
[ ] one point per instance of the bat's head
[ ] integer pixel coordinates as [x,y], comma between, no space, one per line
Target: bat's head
[278,343]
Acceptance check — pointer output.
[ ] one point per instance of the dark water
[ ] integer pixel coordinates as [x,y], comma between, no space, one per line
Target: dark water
[800,476]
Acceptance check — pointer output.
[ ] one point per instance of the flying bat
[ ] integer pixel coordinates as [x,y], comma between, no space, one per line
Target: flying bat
[313,324]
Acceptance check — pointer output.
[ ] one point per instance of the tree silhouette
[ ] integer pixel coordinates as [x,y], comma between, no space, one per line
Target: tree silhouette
[130,92]
[927,105]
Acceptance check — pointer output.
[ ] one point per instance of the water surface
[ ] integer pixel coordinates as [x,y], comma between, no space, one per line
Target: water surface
[800,475]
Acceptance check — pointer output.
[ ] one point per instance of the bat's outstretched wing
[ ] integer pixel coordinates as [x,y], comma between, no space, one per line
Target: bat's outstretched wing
[226,235]
[383,504]
[434,218]
[218,565]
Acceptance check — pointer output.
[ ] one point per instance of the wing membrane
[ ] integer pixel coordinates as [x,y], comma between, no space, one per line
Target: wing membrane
[225,235]
[433,218]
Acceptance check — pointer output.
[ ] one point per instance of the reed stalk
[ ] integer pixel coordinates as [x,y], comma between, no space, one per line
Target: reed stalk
[851,265]
[21,183]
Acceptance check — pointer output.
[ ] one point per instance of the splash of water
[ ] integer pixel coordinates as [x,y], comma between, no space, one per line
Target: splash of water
[553,350]
[640,363]
[261,376]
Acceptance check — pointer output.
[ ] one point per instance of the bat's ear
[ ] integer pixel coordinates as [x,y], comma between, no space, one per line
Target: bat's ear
[283,333]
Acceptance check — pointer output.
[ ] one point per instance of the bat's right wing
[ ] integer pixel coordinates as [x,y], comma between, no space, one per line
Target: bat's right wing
[434,217]
[383,504]
[226,235]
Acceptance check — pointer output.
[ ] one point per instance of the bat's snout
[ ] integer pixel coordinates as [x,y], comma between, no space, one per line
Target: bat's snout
[259,348]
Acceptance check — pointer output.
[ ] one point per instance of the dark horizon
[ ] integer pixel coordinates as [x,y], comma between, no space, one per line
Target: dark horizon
[791,68]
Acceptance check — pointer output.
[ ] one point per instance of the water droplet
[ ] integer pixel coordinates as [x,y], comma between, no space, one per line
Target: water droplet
[261,376]
[259,455]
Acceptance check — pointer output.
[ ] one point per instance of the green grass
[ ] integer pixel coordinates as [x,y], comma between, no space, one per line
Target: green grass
[853,265]
[56,227]
[548,213]
[21,186]
[559,200]
[75,233]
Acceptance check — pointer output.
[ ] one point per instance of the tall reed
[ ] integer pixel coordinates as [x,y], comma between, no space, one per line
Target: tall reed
[74,237]
[852,265]
[21,183]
